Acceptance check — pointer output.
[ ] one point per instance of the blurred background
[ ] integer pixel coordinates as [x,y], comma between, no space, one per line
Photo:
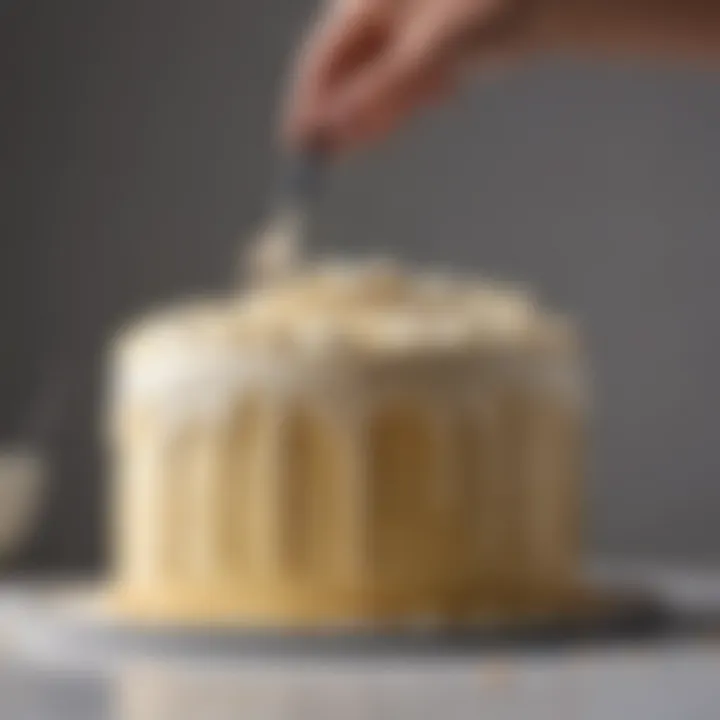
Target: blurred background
[137,150]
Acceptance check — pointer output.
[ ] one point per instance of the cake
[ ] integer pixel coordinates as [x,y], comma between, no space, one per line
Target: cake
[353,444]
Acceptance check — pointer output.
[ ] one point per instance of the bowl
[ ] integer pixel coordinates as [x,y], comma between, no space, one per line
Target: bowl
[21,484]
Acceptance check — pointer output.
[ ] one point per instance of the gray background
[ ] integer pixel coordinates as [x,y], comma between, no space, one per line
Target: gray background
[136,146]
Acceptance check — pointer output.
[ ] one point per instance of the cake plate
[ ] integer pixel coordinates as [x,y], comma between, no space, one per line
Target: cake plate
[64,621]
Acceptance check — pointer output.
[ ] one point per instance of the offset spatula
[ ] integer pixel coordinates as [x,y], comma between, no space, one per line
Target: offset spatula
[284,237]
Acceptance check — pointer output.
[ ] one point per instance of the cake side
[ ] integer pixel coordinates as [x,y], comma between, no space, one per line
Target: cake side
[347,452]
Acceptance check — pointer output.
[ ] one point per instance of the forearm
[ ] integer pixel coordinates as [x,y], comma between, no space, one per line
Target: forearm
[679,28]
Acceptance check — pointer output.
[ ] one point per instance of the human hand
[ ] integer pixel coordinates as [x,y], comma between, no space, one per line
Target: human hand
[369,64]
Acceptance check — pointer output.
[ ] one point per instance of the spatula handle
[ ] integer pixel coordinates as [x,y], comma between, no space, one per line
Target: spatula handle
[303,178]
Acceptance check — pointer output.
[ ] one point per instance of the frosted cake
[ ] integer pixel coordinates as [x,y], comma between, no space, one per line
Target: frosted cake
[356,443]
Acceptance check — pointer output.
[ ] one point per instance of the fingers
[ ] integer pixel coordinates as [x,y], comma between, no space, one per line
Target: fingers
[380,120]
[415,70]
[372,63]
[343,41]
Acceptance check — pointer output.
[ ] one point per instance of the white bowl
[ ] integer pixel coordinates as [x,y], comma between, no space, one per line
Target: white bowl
[21,483]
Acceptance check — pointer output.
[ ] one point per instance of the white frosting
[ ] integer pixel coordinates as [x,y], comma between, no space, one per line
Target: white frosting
[214,426]
[194,360]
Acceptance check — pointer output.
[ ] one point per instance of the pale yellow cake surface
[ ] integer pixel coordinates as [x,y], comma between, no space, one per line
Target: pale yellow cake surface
[357,444]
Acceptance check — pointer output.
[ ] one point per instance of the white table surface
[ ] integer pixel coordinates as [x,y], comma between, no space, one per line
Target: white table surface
[675,679]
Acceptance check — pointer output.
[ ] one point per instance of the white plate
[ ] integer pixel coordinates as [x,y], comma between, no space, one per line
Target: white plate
[67,622]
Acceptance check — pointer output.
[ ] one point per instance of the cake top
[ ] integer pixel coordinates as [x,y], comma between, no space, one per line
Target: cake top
[368,307]
[328,323]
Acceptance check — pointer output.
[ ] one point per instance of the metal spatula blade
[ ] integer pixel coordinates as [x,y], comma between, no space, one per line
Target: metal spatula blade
[282,240]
